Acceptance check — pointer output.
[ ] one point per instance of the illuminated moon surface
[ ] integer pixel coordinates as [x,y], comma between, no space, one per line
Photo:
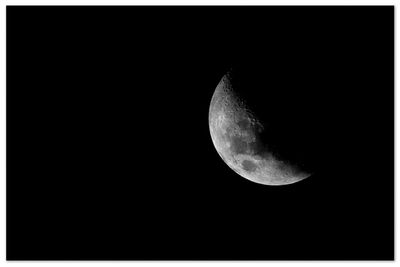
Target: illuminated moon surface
[235,131]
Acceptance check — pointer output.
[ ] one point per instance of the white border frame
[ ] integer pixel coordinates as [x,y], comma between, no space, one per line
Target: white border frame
[3,5]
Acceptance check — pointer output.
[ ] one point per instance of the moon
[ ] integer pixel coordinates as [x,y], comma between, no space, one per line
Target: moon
[236,133]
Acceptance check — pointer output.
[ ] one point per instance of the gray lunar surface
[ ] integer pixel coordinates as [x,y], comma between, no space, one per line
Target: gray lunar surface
[235,131]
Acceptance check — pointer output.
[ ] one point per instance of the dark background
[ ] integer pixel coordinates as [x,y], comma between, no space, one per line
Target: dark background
[109,155]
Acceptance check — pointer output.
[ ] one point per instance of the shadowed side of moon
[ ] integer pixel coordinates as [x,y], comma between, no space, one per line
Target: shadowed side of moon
[241,139]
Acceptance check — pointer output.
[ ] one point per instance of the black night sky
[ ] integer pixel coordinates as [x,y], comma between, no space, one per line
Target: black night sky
[109,155]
